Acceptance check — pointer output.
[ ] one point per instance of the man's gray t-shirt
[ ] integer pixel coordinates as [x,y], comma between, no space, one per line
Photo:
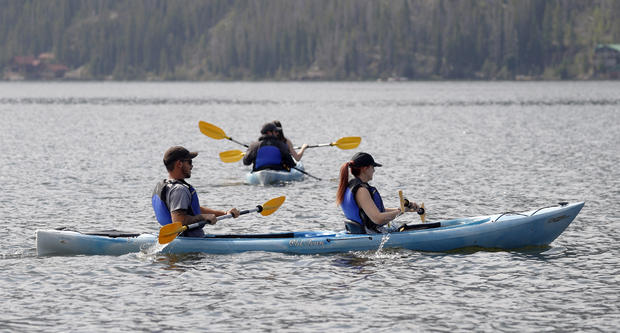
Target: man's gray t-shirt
[179,197]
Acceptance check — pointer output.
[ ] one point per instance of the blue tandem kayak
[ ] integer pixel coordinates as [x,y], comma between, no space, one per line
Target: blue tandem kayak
[500,231]
[270,177]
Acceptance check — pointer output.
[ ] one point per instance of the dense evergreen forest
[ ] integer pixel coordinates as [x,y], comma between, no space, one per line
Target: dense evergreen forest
[310,39]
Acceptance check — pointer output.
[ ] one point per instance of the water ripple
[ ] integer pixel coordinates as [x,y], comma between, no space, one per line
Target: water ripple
[103,101]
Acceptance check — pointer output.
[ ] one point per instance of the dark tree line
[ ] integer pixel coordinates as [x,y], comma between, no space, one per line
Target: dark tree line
[311,39]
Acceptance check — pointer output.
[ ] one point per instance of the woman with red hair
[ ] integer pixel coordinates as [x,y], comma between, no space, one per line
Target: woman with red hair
[362,203]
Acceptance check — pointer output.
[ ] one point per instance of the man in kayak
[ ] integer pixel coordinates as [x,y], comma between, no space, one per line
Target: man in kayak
[174,200]
[269,152]
[362,203]
[280,134]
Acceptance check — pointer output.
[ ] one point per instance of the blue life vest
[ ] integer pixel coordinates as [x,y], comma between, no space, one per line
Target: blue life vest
[268,157]
[352,210]
[160,206]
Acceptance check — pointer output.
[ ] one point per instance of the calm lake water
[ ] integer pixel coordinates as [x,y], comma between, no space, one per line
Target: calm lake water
[87,155]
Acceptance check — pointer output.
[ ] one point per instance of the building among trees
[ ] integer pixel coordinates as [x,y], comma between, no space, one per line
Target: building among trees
[29,67]
[607,60]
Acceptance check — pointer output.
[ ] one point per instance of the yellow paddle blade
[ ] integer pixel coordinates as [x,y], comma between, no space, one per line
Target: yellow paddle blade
[402,201]
[423,216]
[212,131]
[231,156]
[348,142]
[272,205]
[170,231]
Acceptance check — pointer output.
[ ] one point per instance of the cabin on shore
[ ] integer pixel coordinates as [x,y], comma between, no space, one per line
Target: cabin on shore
[607,60]
[42,67]
[24,64]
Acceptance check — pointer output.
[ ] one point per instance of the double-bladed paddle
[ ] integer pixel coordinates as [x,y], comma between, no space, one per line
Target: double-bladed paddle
[170,231]
[215,132]
[232,156]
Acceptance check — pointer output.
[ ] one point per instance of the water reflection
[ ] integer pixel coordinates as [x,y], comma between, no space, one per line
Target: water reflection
[364,260]
[354,261]
[179,262]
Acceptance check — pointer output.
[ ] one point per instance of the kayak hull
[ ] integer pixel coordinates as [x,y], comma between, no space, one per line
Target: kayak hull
[270,177]
[500,231]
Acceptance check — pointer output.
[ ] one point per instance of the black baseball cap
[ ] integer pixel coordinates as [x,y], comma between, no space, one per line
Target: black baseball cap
[363,159]
[270,127]
[178,153]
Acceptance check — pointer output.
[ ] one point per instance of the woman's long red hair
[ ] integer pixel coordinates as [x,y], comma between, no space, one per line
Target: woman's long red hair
[344,179]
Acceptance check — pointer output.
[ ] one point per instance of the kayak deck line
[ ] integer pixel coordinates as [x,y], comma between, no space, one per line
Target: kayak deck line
[350,238]
[278,235]
[561,203]
[499,231]
[112,233]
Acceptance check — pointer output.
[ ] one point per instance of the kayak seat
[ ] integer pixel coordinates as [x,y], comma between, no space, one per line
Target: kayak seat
[354,227]
[406,227]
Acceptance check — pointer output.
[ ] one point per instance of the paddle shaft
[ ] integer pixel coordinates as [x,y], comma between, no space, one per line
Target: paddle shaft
[319,145]
[237,142]
[307,174]
[201,224]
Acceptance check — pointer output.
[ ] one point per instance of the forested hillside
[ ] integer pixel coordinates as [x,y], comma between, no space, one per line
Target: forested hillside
[309,39]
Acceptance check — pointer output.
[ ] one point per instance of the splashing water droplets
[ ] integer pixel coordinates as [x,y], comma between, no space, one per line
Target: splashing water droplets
[384,240]
[151,251]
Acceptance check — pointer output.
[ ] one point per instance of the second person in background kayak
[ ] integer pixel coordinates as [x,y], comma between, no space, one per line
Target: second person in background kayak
[269,152]
[280,134]
[362,203]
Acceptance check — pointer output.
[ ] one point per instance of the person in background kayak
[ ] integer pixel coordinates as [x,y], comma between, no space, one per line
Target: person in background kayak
[280,134]
[269,152]
[174,200]
[362,203]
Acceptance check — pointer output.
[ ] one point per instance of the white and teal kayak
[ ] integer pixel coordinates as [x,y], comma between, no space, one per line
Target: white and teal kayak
[510,230]
[270,177]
